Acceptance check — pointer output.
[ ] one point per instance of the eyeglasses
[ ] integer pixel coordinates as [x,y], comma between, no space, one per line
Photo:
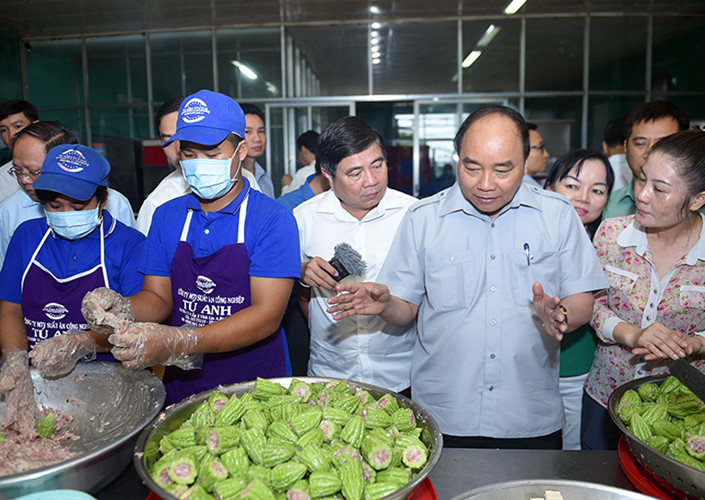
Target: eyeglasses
[541,147]
[32,174]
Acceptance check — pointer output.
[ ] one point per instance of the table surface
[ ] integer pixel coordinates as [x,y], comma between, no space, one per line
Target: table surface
[460,470]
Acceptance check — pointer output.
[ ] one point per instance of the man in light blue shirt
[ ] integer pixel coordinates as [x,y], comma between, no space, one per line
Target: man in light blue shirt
[495,272]
[31,145]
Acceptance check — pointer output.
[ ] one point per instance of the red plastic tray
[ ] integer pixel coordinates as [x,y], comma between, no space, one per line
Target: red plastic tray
[424,491]
[645,481]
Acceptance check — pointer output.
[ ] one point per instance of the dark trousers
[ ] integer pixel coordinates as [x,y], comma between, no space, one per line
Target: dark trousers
[553,441]
[597,430]
[297,336]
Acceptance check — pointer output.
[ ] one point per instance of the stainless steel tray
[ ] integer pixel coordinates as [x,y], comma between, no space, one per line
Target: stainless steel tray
[682,478]
[110,405]
[536,488]
[170,419]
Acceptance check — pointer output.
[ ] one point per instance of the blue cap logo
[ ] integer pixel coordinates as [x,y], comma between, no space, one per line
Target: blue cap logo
[194,110]
[71,160]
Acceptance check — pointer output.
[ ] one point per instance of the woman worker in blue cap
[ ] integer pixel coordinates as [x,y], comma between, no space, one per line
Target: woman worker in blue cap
[52,262]
[219,265]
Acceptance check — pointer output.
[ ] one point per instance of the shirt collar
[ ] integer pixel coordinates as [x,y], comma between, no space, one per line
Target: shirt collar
[628,192]
[193,203]
[635,236]
[26,201]
[259,171]
[454,201]
[331,204]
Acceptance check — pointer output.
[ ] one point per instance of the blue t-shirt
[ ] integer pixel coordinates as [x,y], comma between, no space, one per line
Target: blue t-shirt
[271,234]
[297,196]
[63,258]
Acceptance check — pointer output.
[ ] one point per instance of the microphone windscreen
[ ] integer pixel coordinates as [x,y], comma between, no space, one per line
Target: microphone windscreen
[347,261]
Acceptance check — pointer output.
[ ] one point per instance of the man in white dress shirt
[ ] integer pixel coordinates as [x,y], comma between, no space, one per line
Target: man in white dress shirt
[362,211]
[613,147]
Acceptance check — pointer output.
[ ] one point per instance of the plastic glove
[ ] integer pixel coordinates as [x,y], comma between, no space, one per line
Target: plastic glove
[58,355]
[106,311]
[148,344]
[21,410]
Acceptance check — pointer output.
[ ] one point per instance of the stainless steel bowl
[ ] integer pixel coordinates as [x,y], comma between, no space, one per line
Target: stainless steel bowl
[536,488]
[682,478]
[110,405]
[170,420]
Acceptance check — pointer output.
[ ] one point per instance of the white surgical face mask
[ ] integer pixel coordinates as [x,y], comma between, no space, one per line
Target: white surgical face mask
[209,178]
[74,225]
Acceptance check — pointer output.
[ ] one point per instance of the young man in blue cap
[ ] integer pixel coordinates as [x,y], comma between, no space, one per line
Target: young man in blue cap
[220,264]
[53,261]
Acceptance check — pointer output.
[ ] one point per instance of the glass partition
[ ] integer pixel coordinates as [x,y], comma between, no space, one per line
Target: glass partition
[336,55]
[554,54]
[249,62]
[414,58]
[490,59]
[620,64]
[182,63]
[117,69]
[63,61]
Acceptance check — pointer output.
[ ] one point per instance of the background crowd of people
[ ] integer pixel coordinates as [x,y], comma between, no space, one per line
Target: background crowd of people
[510,304]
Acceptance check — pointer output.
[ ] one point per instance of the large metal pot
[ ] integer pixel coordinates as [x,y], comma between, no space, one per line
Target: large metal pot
[170,420]
[110,405]
[682,478]
[537,488]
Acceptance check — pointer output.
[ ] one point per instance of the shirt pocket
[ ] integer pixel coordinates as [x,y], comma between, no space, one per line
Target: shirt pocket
[693,297]
[450,281]
[544,268]
[620,280]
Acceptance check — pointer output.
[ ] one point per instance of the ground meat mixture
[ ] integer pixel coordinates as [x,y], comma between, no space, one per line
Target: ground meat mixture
[21,450]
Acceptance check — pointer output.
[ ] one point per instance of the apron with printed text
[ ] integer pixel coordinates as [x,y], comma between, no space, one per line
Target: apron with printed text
[52,305]
[209,289]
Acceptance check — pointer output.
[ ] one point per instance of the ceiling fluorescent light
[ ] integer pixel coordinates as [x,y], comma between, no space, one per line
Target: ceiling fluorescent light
[376,26]
[514,6]
[471,58]
[271,87]
[489,35]
[374,34]
[376,60]
[374,9]
[245,70]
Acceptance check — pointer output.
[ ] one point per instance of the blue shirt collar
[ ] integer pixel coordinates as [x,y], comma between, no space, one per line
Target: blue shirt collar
[193,203]
[454,201]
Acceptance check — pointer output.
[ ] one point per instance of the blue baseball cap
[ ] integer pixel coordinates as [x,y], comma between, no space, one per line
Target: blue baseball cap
[207,118]
[73,170]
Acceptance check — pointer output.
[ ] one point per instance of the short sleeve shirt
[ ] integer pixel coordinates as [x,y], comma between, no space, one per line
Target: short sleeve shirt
[638,296]
[482,365]
[63,258]
[271,236]
[362,348]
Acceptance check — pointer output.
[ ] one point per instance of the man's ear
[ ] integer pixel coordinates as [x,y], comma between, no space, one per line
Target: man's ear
[327,175]
[242,151]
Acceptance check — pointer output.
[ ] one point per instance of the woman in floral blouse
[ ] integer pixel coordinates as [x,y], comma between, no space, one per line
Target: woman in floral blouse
[654,309]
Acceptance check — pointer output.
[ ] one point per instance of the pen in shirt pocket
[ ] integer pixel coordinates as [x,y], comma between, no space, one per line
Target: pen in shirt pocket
[527,251]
